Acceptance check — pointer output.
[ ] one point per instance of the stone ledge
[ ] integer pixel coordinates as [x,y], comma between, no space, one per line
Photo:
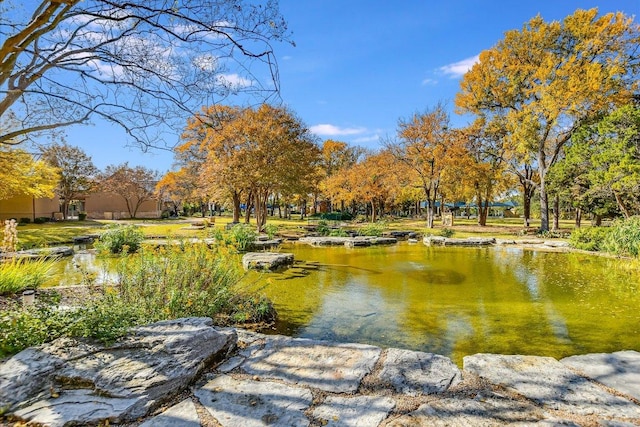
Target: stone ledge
[283,381]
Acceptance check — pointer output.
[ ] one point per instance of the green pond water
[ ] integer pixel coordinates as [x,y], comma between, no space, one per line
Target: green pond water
[447,300]
[460,301]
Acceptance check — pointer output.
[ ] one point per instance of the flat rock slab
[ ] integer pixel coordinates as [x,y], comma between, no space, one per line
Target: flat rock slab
[452,241]
[79,407]
[550,383]
[619,370]
[481,411]
[250,403]
[328,366]
[40,253]
[339,411]
[183,414]
[261,245]
[266,260]
[74,382]
[415,372]
[348,241]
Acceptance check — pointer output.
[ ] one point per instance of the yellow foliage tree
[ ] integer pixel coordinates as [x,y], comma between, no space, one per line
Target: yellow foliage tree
[543,82]
[22,175]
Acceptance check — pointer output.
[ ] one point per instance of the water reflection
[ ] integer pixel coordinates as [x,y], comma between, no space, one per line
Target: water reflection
[452,301]
[459,301]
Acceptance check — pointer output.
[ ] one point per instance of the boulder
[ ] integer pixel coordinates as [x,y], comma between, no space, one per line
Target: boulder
[74,382]
[266,260]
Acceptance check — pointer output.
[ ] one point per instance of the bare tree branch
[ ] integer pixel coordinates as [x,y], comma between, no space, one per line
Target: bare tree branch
[138,64]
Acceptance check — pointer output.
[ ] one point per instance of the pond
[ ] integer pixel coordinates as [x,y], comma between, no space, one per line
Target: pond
[448,300]
[460,301]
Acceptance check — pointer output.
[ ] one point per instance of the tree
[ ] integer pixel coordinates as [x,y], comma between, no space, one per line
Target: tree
[336,156]
[256,151]
[545,81]
[77,172]
[178,187]
[423,145]
[138,64]
[603,161]
[134,184]
[21,175]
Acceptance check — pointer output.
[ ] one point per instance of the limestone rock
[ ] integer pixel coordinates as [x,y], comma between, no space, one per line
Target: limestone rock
[492,410]
[69,381]
[339,411]
[268,260]
[619,370]
[250,403]
[451,241]
[416,372]
[328,366]
[550,383]
[183,414]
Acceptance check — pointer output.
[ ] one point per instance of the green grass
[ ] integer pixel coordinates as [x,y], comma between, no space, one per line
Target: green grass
[63,232]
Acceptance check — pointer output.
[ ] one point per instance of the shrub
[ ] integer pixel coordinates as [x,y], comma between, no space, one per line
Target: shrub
[20,274]
[323,228]
[373,229]
[338,232]
[119,239]
[41,220]
[588,238]
[24,220]
[624,237]
[447,232]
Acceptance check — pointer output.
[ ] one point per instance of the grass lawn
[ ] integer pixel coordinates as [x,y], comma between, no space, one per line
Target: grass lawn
[63,232]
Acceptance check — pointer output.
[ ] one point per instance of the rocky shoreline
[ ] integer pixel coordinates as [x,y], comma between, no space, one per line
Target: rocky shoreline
[186,372]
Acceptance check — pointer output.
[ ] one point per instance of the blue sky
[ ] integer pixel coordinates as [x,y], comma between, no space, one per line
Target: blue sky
[360,65]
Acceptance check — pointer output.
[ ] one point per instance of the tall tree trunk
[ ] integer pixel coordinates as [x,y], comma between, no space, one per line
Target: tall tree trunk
[65,208]
[373,211]
[249,206]
[544,205]
[236,206]
[622,205]
[430,212]
[260,206]
[526,209]
[578,217]
[314,207]
[556,213]
[303,209]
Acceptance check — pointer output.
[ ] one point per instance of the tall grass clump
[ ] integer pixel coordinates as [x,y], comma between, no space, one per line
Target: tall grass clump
[240,236]
[624,237]
[19,274]
[589,238]
[120,238]
[188,280]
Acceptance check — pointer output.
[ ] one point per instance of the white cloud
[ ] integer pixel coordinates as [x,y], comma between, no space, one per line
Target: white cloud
[429,82]
[457,69]
[233,81]
[331,130]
